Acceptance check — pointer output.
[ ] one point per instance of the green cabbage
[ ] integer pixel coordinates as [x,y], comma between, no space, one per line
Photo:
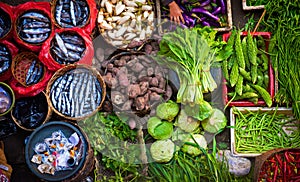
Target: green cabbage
[159,129]
[187,123]
[162,150]
[167,111]
[200,112]
[191,147]
[216,122]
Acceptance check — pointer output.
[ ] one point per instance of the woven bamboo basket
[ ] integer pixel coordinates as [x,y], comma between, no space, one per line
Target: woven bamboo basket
[17,30]
[53,13]
[259,161]
[20,66]
[66,69]
[48,116]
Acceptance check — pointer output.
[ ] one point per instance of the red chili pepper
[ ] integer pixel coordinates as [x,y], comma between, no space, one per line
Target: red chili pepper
[278,158]
[275,174]
[284,172]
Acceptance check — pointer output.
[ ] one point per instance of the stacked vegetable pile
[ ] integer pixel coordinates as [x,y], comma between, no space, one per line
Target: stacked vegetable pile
[281,165]
[212,13]
[258,131]
[247,72]
[123,21]
[282,19]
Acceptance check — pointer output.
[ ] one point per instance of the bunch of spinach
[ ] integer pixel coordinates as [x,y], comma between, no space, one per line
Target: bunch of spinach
[191,53]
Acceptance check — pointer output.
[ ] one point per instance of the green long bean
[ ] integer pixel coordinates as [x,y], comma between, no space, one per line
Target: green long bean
[261,131]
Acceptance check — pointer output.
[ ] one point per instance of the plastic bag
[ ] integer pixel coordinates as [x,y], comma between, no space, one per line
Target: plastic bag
[86,57]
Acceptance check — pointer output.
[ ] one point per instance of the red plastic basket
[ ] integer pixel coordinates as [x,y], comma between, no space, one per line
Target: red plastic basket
[271,88]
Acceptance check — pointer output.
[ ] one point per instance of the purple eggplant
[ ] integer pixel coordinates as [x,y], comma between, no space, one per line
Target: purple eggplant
[205,3]
[205,12]
[189,21]
[216,11]
[205,23]
[222,5]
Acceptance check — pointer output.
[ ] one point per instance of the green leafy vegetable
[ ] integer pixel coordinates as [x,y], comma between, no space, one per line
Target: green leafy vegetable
[159,129]
[162,150]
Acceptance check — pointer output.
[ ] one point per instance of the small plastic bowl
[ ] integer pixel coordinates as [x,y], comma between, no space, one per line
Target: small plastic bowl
[9,90]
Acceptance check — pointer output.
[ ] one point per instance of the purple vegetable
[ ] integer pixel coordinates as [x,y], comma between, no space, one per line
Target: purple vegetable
[223,7]
[205,3]
[183,25]
[205,23]
[216,11]
[189,21]
[205,12]
[214,1]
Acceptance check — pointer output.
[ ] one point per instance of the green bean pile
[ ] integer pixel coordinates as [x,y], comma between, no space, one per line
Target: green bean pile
[260,131]
[282,20]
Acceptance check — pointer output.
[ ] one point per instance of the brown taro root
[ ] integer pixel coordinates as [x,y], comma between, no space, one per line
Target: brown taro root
[133,91]
[110,80]
[158,90]
[131,63]
[120,62]
[138,67]
[123,79]
[150,71]
[154,96]
[117,97]
[140,103]
[144,87]
[153,82]
[109,67]
[148,49]
[162,83]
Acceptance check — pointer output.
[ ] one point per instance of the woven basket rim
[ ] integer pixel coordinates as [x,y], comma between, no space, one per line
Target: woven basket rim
[48,116]
[61,72]
[259,160]
[53,6]
[30,57]
[16,22]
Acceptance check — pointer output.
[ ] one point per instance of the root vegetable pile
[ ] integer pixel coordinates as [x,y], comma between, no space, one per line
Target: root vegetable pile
[136,82]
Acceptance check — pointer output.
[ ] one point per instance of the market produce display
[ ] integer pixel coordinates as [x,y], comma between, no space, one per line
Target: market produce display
[136,81]
[247,72]
[123,21]
[58,153]
[69,13]
[76,93]
[145,105]
[212,13]
[280,165]
[262,130]
[285,62]
[67,48]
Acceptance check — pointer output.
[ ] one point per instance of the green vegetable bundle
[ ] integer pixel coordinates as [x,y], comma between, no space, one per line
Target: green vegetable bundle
[260,131]
[246,70]
[191,53]
[282,19]
[112,137]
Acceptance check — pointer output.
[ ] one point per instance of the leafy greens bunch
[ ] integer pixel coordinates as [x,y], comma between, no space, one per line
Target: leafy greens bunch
[191,53]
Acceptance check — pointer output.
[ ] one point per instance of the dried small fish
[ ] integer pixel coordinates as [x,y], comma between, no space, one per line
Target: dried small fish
[70,13]
[80,95]
[5,58]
